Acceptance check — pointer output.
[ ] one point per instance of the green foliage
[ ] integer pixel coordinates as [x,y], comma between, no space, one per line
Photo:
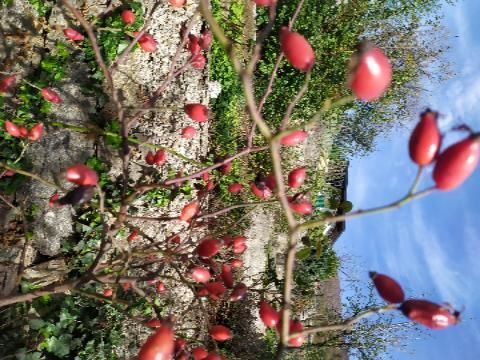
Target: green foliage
[61,328]
[42,7]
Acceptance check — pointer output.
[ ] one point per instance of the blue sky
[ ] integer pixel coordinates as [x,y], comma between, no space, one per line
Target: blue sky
[431,246]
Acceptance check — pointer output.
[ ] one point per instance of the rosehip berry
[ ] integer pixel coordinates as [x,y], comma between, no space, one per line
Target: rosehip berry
[226,168]
[429,314]
[193,44]
[12,129]
[371,73]
[180,344]
[301,206]
[236,263]
[205,39]
[178,3]
[158,346]
[126,286]
[188,132]
[196,112]
[456,163]
[147,42]
[53,201]
[6,83]
[220,333]
[208,248]
[35,132]
[133,235]
[239,244]
[198,61]
[269,316]
[23,131]
[294,138]
[388,288]
[81,175]
[239,292]
[189,211]
[235,188]
[160,157]
[73,34]
[265,2]
[128,17]
[108,292]
[261,190]
[227,276]
[425,139]
[51,96]
[161,288]
[200,274]
[199,353]
[202,292]
[149,158]
[215,289]
[296,178]
[296,326]
[297,50]
[8,173]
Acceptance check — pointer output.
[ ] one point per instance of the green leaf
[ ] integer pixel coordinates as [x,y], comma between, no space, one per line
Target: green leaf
[346,206]
[304,253]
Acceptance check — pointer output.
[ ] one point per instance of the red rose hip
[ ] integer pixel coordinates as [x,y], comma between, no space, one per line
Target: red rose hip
[389,289]
[196,112]
[425,139]
[456,163]
[297,50]
[296,177]
[371,73]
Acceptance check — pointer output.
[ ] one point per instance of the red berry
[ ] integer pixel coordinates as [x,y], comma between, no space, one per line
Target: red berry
[189,211]
[220,333]
[161,287]
[52,202]
[147,42]
[227,276]
[128,17]
[429,314]
[388,288]
[178,3]
[133,235]
[261,191]
[198,61]
[6,83]
[236,263]
[35,132]
[150,158]
[294,138]
[371,73]
[180,344]
[265,2]
[158,346]
[126,286]
[196,112]
[193,45]
[81,175]
[297,50]
[208,248]
[296,178]
[296,326]
[199,353]
[202,292]
[270,317]
[188,132]
[456,163]
[160,157]
[301,206]
[108,292]
[23,131]
[239,244]
[239,292]
[215,289]
[205,39]
[51,96]
[425,139]
[270,181]
[200,274]
[73,35]
[226,168]
[8,173]
[154,323]
[235,188]
[12,129]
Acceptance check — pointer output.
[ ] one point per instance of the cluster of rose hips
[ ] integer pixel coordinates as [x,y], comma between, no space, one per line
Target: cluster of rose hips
[424,312]
[453,165]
